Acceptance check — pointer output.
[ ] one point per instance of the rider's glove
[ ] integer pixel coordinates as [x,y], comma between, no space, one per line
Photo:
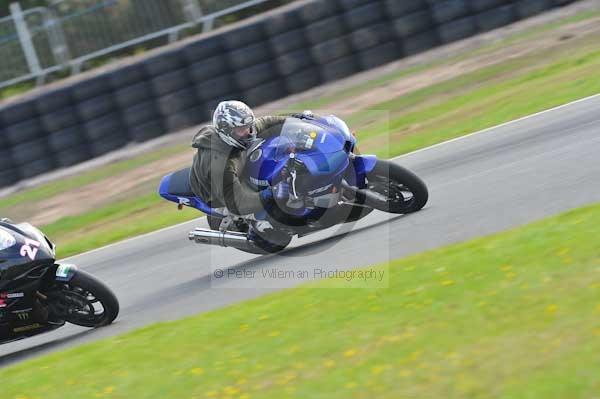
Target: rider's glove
[279,192]
[306,114]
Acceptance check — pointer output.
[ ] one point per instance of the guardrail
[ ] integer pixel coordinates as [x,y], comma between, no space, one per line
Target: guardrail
[44,40]
[282,52]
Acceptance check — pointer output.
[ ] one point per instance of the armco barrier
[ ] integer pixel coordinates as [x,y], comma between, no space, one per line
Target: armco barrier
[284,51]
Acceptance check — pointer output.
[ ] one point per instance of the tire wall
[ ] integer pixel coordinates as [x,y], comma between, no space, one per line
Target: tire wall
[282,52]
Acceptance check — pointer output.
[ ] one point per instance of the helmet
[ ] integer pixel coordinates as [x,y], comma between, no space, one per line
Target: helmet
[234,122]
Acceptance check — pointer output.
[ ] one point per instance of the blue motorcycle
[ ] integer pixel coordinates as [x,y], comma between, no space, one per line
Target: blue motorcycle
[329,184]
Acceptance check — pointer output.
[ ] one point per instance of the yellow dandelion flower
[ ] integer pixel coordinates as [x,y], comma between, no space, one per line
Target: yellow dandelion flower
[351,385]
[244,396]
[376,370]
[244,327]
[405,373]
[329,363]
[551,309]
[263,317]
[350,353]
[109,390]
[274,334]
[212,394]
[447,282]
[241,381]
[230,391]
[510,275]
[597,332]
[563,251]
[294,349]
[197,371]
[598,308]
[506,268]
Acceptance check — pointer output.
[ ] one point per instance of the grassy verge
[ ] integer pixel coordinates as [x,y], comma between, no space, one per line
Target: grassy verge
[488,96]
[513,315]
[115,222]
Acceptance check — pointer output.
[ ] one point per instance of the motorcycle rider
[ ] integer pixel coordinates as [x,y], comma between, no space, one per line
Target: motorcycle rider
[218,164]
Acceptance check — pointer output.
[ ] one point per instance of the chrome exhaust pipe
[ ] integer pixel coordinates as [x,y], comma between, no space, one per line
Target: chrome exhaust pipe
[232,239]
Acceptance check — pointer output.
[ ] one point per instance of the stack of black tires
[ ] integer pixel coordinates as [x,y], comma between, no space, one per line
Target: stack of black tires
[282,52]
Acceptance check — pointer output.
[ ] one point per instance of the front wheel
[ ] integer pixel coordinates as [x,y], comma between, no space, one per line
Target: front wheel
[396,189]
[86,301]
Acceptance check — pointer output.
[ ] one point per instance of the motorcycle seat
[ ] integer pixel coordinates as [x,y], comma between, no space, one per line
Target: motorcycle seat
[179,183]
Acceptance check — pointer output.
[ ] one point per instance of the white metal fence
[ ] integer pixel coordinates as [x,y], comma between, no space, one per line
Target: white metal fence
[39,41]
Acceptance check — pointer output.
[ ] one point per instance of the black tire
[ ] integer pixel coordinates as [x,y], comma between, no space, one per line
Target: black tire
[72,155]
[127,75]
[16,113]
[140,113]
[66,138]
[324,30]
[293,62]
[528,8]
[251,77]
[202,49]
[388,176]
[412,24]
[89,88]
[397,9]
[370,36]
[170,82]
[163,63]
[495,18]
[215,87]
[448,10]
[339,69]
[109,144]
[250,55]
[420,42]
[365,15]
[302,81]
[60,119]
[315,11]
[29,151]
[37,167]
[23,132]
[102,293]
[95,107]
[206,69]
[244,35]
[331,50]
[265,93]
[98,130]
[177,101]
[184,118]
[478,6]
[379,55]
[134,94]
[6,161]
[282,22]
[457,30]
[288,41]
[53,100]
[348,5]
[8,177]
[147,131]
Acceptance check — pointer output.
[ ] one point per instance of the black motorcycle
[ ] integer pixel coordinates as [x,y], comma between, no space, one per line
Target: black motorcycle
[38,295]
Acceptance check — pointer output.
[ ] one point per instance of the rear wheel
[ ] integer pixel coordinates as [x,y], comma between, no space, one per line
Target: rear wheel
[396,189]
[86,301]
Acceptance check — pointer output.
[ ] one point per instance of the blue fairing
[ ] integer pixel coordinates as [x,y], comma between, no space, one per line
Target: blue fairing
[186,200]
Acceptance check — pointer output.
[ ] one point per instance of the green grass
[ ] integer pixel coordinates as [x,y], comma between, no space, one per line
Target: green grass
[482,99]
[513,315]
[115,222]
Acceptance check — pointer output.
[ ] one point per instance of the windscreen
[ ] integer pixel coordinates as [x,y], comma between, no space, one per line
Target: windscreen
[302,137]
[7,240]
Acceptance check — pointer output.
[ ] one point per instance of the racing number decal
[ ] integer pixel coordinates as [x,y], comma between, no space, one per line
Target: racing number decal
[30,248]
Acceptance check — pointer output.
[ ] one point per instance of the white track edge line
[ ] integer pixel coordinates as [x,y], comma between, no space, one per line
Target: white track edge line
[395,158]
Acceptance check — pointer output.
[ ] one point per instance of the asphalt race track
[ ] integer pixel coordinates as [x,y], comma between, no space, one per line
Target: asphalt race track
[483,183]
